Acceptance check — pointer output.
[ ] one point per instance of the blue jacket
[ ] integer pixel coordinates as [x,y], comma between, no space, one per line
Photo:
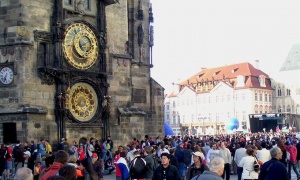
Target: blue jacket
[273,170]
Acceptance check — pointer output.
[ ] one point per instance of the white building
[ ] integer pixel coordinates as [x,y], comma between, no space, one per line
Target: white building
[286,96]
[206,101]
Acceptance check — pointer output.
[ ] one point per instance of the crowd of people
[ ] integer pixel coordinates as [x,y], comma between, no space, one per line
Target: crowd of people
[249,156]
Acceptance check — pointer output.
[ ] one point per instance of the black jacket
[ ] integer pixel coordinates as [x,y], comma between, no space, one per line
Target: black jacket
[169,173]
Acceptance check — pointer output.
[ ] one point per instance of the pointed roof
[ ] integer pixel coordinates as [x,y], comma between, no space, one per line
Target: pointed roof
[292,61]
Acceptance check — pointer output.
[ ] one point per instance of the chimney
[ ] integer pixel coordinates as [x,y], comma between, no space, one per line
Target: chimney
[257,64]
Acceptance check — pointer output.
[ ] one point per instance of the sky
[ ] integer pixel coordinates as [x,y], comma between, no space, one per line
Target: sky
[191,34]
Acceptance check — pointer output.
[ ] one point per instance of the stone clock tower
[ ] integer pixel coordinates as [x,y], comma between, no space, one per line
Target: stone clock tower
[77,69]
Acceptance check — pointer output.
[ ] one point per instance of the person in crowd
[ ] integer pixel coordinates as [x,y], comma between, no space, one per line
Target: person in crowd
[122,166]
[216,169]
[108,166]
[214,151]
[292,161]
[166,170]
[187,156]
[149,158]
[274,169]
[32,147]
[162,149]
[48,147]
[263,154]
[18,151]
[173,159]
[197,167]
[98,165]
[23,173]
[42,148]
[79,168]
[37,170]
[81,153]
[2,159]
[239,154]
[61,158]
[281,145]
[68,171]
[8,156]
[206,147]
[130,154]
[179,155]
[97,148]
[225,154]
[247,163]
[26,156]
[110,142]
[116,158]
[138,166]
[26,146]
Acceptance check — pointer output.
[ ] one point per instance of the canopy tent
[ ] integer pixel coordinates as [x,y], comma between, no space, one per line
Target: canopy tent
[168,130]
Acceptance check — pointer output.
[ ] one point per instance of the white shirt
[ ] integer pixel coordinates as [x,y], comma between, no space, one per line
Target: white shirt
[247,164]
[225,155]
[211,154]
[239,154]
[264,155]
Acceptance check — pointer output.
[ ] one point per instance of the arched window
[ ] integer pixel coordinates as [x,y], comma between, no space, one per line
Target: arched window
[279,91]
[279,109]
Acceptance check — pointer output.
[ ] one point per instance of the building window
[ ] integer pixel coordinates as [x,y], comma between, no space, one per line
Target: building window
[266,97]
[217,99]
[262,80]
[168,116]
[279,92]
[168,107]
[208,99]
[174,104]
[69,2]
[222,100]
[174,120]
[178,118]
[260,96]
[270,97]
[256,98]
[87,4]
[298,109]
[288,92]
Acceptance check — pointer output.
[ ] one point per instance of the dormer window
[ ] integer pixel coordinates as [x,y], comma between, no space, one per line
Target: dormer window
[234,70]
[262,81]
[240,81]
[216,73]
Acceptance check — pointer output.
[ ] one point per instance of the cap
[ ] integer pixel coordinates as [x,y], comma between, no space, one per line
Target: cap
[27,153]
[62,139]
[198,153]
[94,155]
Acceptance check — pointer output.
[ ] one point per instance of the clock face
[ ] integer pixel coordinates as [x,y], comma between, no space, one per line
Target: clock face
[80,46]
[82,102]
[6,75]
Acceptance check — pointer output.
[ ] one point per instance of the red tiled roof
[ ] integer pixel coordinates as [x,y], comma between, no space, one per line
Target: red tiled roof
[231,72]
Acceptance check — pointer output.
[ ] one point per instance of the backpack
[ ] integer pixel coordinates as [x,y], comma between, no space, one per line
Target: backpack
[7,155]
[137,168]
[155,162]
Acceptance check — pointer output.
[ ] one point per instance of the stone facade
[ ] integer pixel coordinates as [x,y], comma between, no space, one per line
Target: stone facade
[31,35]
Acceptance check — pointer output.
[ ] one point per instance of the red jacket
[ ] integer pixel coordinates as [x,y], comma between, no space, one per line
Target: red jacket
[53,170]
[293,153]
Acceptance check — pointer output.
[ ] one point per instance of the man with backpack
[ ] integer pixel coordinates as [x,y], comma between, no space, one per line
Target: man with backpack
[137,166]
[150,162]
[197,167]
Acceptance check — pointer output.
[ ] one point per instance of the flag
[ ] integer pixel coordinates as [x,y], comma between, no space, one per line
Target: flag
[277,129]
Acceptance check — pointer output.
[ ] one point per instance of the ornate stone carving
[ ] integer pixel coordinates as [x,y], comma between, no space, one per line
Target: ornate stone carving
[79,6]
[4,51]
[42,36]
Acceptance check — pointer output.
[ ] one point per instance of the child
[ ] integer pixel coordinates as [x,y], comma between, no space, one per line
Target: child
[38,168]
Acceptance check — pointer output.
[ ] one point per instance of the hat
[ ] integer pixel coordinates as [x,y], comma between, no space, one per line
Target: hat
[198,153]
[27,153]
[94,155]
[62,139]
[181,143]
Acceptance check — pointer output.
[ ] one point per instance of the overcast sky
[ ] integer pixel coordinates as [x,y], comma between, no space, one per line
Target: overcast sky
[190,34]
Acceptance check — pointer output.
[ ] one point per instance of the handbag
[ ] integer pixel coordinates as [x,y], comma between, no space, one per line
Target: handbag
[256,166]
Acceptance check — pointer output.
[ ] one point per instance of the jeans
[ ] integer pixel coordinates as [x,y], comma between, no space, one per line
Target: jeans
[226,171]
[182,168]
[294,165]
[239,172]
